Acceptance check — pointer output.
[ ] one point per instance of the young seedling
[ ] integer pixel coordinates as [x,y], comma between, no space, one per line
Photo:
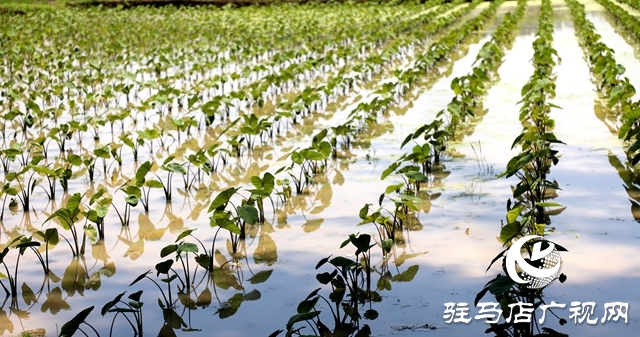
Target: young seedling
[67,216]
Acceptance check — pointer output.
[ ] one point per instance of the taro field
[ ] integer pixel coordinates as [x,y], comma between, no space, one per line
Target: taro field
[320,169]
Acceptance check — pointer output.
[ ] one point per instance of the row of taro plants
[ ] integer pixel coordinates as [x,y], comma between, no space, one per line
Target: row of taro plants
[616,92]
[428,61]
[406,196]
[310,161]
[614,88]
[425,158]
[528,213]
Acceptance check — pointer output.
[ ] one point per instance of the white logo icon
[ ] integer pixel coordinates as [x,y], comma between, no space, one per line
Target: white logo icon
[536,276]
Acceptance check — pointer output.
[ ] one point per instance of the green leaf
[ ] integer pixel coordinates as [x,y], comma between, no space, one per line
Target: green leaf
[111,303]
[184,234]
[222,199]
[307,305]
[501,285]
[175,167]
[340,261]
[364,211]
[101,211]
[51,236]
[509,231]
[74,159]
[188,247]
[249,214]
[322,261]
[513,214]
[164,267]
[131,200]
[415,175]
[74,201]
[226,224]
[301,317]
[153,183]
[548,204]
[389,170]
[168,250]
[140,277]
[70,328]
[136,296]
[142,172]
[92,232]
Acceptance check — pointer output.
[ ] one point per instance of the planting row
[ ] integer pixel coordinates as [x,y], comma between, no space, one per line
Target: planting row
[528,213]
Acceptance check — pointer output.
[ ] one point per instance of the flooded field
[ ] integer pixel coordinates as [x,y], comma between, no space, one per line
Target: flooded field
[187,171]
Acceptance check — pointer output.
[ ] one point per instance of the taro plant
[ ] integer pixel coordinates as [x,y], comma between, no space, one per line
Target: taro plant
[253,128]
[131,199]
[67,216]
[50,237]
[350,282]
[506,291]
[98,213]
[21,244]
[309,162]
[429,153]
[233,218]
[24,183]
[61,134]
[120,307]
[263,189]
[181,250]
[133,143]
[161,268]
[388,222]
[65,173]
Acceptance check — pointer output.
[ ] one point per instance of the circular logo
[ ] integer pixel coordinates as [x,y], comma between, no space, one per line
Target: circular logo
[538,271]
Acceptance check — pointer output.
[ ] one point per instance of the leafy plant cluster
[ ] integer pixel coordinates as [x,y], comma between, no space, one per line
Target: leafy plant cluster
[367,113]
[312,162]
[33,171]
[309,162]
[619,98]
[529,212]
[613,86]
[347,79]
[469,89]
[416,167]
